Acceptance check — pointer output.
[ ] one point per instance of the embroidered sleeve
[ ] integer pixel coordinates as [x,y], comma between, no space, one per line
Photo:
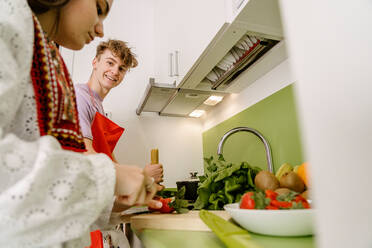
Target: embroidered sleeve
[47,195]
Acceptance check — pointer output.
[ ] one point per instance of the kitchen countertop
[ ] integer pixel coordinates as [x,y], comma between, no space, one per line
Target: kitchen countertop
[152,238]
[182,222]
[160,231]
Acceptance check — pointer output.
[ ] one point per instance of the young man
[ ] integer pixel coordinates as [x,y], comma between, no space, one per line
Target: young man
[112,61]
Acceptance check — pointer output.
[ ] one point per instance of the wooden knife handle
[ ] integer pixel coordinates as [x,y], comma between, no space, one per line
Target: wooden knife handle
[154,156]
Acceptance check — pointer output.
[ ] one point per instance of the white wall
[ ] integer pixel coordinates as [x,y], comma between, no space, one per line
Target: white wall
[278,78]
[178,139]
[330,45]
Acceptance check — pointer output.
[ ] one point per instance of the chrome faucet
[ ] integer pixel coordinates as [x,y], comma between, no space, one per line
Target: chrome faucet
[258,134]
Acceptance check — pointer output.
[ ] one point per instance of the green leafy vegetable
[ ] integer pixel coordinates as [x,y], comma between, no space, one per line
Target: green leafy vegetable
[224,183]
[179,203]
[260,200]
[287,197]
[167,192]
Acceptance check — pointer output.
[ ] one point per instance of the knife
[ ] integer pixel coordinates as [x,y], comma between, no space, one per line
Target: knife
[230,234]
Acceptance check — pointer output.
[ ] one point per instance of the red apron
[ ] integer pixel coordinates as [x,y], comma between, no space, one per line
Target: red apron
[96,239]
[106,134]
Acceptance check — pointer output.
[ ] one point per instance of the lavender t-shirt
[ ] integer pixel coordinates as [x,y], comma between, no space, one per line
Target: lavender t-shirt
[87,107]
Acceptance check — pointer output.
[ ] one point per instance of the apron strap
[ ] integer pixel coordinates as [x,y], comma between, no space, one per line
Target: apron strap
[92,98]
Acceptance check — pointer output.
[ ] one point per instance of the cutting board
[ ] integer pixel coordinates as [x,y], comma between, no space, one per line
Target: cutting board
[189,221]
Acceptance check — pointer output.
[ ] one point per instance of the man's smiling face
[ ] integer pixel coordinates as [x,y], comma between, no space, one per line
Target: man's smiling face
[108,70]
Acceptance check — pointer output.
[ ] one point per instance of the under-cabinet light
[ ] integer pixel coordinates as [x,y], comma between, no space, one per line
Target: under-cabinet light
[213,100]
[197,113]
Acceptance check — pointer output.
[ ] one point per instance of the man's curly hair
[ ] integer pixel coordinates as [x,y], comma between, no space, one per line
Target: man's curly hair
[121,50]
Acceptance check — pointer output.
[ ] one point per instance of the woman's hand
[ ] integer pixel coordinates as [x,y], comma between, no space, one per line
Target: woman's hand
[155,171]
[134,187]
[118,207]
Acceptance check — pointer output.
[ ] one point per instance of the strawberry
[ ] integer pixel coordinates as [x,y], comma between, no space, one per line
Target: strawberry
[165,208]
[176,203]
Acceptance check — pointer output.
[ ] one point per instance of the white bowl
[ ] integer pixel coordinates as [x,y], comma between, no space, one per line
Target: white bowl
[293,222]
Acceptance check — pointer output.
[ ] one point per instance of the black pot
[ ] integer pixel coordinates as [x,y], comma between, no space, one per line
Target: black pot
[191,189]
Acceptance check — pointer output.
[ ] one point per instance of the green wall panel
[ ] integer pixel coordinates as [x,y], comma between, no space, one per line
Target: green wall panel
[275,117]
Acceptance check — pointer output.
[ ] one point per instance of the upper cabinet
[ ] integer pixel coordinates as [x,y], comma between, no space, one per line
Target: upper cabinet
[182,30]
[210,47]
[197,42]
[251,45]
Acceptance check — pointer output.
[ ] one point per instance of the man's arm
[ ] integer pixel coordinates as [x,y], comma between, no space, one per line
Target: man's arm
[113,157]
[90,149]
[89,146]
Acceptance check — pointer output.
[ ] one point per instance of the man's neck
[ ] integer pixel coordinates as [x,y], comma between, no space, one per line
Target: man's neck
[96,87]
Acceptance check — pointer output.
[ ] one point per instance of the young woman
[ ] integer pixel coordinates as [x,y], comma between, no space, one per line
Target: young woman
[50,193]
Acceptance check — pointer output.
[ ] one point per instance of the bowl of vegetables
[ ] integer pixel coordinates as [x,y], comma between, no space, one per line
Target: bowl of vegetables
[266,212]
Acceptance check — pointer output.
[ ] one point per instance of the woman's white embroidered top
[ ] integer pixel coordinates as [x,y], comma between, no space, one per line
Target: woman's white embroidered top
[49,197]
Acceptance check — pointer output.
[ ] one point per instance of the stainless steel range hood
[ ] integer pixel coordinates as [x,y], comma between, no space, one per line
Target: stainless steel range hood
[242,51]
[155,97]
[240,57]
[167,100]
[227,56]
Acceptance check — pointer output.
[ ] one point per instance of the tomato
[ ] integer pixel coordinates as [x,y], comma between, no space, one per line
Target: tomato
[281,204]
[305,204]
[271,207]
[165,208]
[299,198]
[271,194]
[247,202]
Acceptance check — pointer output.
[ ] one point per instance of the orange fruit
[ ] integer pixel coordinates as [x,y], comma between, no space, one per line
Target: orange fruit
[303,173]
